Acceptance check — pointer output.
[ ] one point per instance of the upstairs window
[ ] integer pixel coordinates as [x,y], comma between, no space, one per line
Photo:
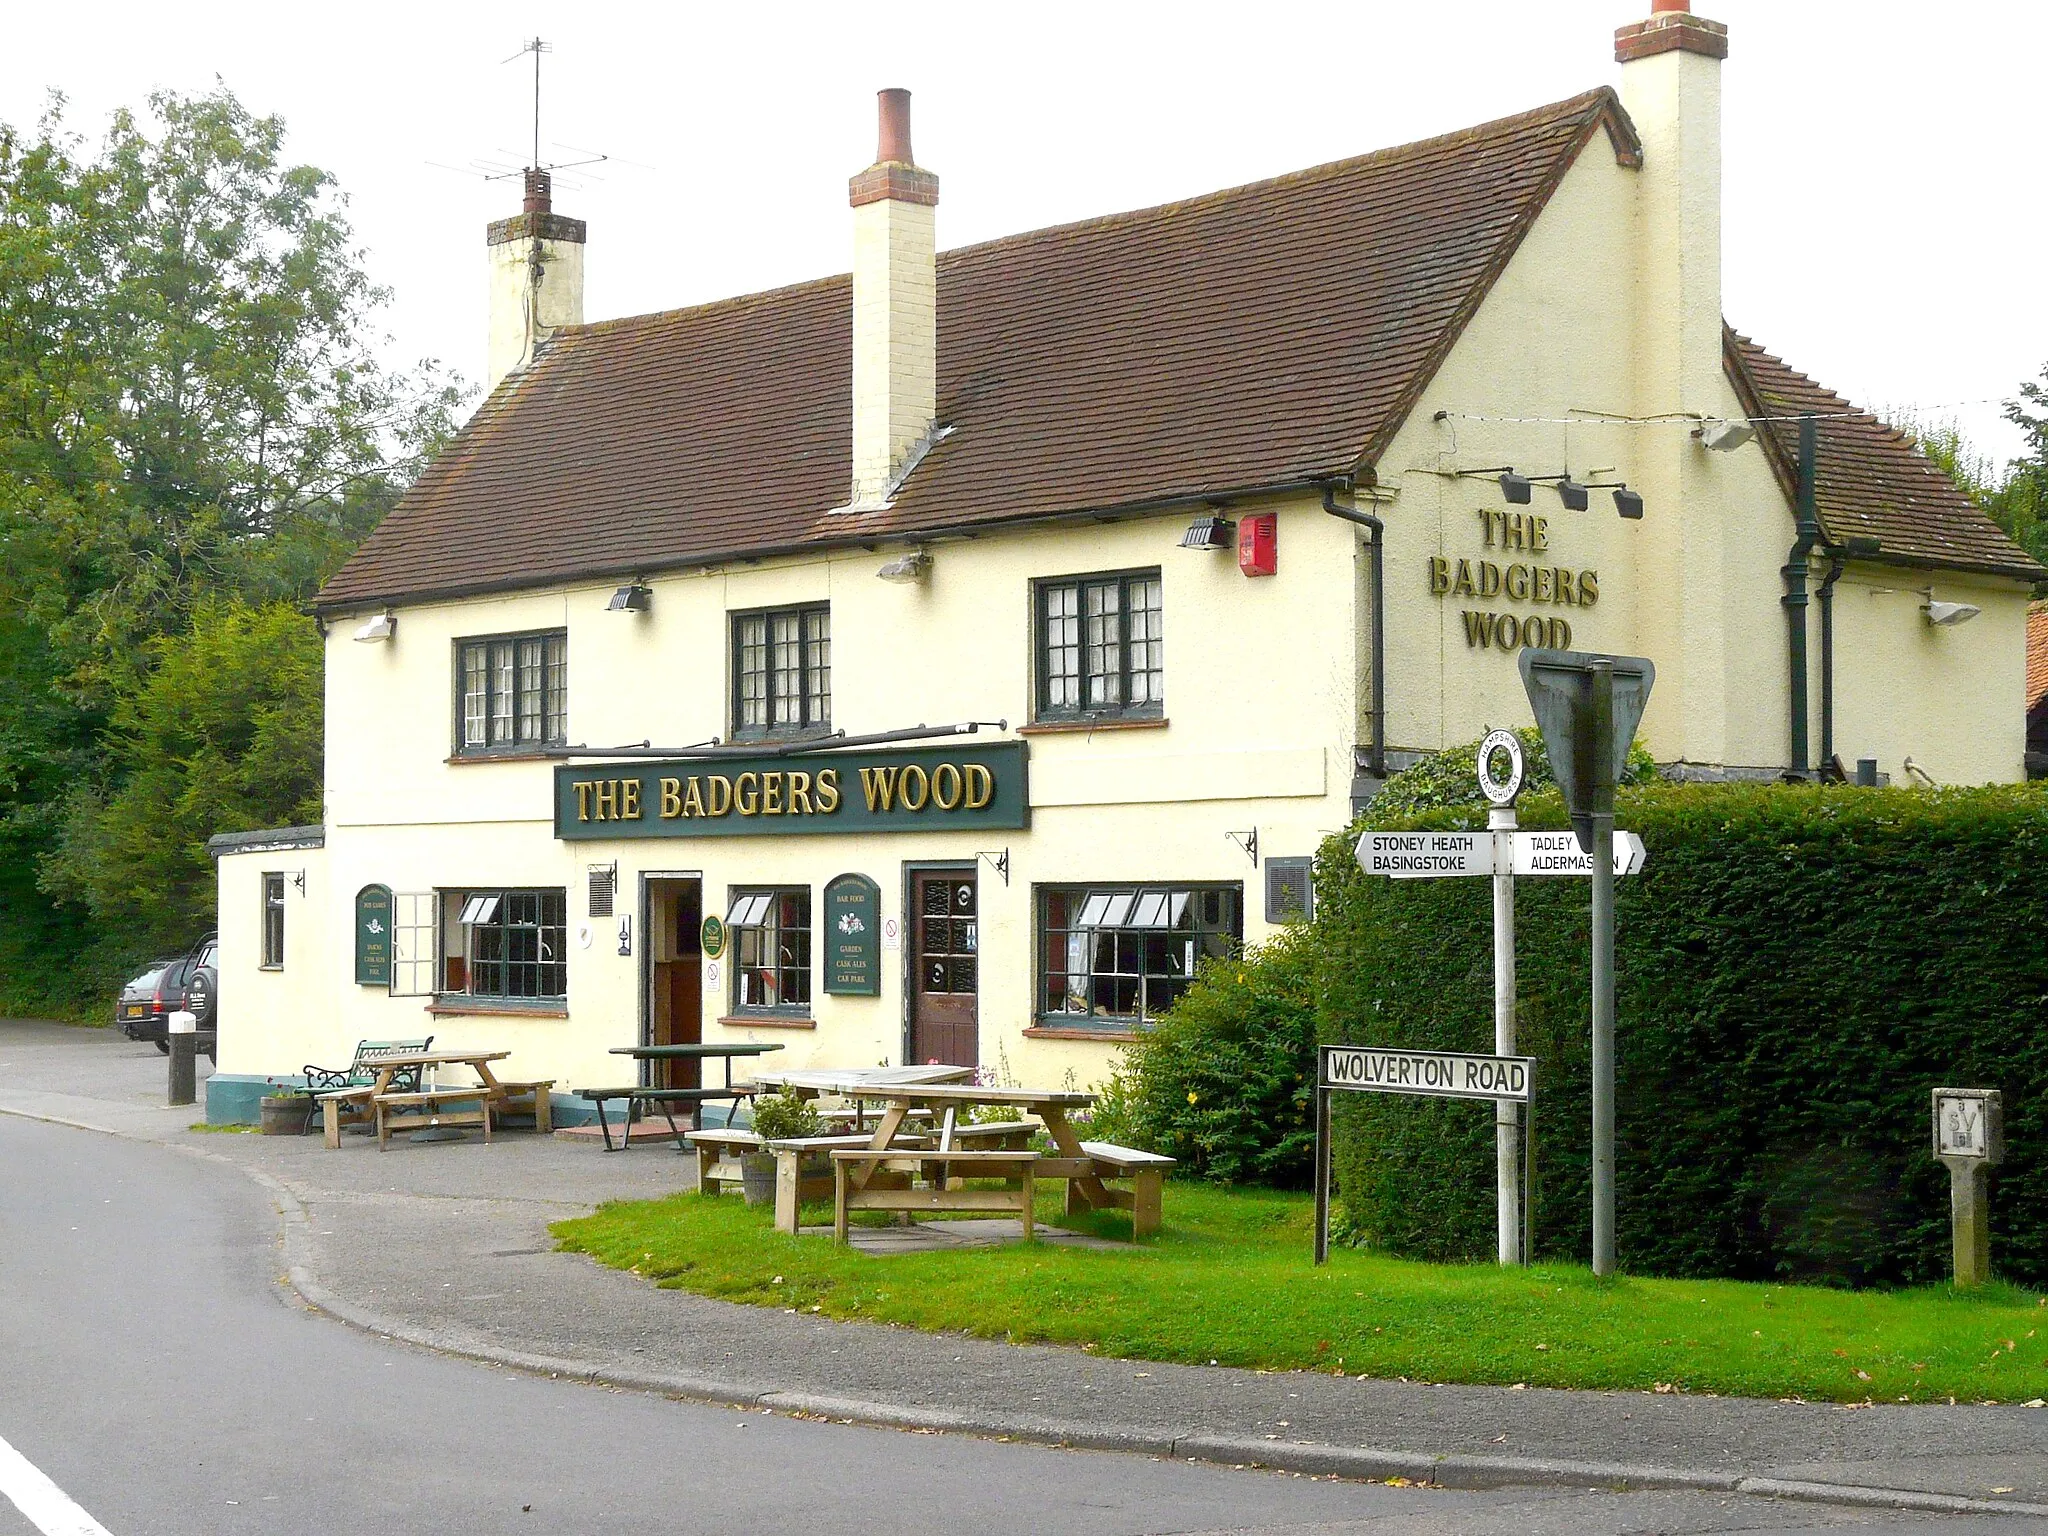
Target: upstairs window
[511,693]
[781,672]
[1101,648]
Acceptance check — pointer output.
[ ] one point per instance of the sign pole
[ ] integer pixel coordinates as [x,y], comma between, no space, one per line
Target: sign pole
[1322,1156]
[1602,764]
[1506,1113]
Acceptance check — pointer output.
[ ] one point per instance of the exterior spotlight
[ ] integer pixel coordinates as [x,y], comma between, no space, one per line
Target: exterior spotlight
[1946,614]
[1628,503]
[1210,533]
[1515,489]
[1724,436]
[1860,546]
[631,598]
[914,566]
[378,627]
[1573,494]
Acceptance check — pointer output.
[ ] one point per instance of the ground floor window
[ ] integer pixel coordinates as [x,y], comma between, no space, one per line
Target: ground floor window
[508,944]
[1120,955]
[771,947]
[273,922]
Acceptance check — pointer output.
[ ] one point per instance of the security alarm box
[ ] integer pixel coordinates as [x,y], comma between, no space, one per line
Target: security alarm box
[1258,544]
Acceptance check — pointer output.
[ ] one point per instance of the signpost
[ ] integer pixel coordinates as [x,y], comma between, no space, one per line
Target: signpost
[1435,855]
[1969,1138]
[1431,1074]
[1588,707]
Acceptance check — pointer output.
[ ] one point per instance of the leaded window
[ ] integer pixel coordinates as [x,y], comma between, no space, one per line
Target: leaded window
[771,945]
[1121,955]
[510,944]
[781,671]
[1101,647]
[512,692]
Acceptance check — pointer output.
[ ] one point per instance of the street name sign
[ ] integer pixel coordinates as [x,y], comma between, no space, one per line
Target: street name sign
[1444,1074]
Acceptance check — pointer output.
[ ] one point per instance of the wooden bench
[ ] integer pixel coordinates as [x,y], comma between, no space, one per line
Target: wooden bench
[664,1099]
[857,1183]
[427,1109]
[344,1092]
[1146,1173]
[801,1172]
[534,1098]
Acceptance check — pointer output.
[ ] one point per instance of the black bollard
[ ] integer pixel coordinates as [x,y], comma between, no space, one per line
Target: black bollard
[184,1062]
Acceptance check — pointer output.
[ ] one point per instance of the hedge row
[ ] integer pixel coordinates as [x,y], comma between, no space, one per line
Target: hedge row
[1795,968]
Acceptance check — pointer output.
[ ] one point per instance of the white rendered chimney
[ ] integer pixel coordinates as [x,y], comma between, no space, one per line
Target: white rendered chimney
[895,309]
[536,279]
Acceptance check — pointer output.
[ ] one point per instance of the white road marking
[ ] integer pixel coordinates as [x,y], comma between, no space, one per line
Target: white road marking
[49,1508]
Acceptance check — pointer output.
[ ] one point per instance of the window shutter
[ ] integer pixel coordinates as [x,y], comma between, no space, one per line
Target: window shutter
[604,885]
[1290,890]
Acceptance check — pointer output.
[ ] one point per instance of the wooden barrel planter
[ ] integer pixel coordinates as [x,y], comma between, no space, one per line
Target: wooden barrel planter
[285,1114]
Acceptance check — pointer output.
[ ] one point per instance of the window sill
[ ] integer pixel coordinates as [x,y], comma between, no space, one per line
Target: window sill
[470,759]
[277,967]
[501,1007]
[1057,1032]
[1079,727]
[767,1021]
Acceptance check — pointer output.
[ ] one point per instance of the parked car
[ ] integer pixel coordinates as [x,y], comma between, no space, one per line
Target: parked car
[144,1009]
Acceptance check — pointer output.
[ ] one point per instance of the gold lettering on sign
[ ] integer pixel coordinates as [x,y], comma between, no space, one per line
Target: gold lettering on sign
[1489,579]
[828,791]
[693,797]
[746,794]
[946,787]
[799,794]
[1462,585]
[607,800]
[583,788]
[1517,584]
[1439,575]
[771,794]
[720,795]
[981,786]
[913,799]
[879,785]
[671,799]
[629,799]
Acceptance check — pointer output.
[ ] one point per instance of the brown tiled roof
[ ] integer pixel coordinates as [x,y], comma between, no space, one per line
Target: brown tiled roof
[2037,653]
[1869,478]
[1264,336]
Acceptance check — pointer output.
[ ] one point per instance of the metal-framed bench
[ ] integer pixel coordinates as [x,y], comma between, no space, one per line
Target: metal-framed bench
[344,1092]
[858,1183]
[664,1099]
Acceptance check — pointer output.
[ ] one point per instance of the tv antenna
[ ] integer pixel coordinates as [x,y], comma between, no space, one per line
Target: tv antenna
[538,46]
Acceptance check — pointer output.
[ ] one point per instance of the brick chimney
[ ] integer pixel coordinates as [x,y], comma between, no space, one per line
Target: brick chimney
[536,264]
[895,309]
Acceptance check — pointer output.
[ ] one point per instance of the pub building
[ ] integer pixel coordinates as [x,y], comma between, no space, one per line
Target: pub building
[944,660]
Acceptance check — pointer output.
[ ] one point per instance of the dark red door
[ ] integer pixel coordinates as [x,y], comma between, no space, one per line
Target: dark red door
[945,971]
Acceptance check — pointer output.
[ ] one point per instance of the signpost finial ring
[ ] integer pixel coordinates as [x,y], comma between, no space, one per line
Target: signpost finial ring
[1500,767]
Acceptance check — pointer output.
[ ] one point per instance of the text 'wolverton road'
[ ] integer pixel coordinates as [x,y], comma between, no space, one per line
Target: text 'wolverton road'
[1447,1075]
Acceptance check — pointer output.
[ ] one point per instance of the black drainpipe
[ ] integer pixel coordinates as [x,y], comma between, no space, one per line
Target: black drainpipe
[1377,762]
[1838,560]
[1794,599]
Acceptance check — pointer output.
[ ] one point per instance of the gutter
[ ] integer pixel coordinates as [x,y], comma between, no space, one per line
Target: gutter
[714,749]
[1377,762]
[1794,572]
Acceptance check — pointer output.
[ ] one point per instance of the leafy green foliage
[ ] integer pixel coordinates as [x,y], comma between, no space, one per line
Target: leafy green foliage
[2014,496]
[1795,968]
[1450,778]
[1225,1081]
[192,414]
[785,1117]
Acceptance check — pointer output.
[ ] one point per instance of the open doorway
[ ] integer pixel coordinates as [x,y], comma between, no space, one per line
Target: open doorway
[673,973]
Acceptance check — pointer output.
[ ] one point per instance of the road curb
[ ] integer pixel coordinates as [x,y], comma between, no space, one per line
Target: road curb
[1315,1459]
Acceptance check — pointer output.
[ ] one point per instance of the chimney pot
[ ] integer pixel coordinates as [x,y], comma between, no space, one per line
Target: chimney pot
[1659,7]
[539,192]
[894,138]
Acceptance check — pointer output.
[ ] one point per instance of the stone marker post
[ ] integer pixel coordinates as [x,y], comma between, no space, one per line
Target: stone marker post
[1969,1137]
[184,1050]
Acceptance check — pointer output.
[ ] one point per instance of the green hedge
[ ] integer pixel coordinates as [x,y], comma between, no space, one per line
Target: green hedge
[1795,968]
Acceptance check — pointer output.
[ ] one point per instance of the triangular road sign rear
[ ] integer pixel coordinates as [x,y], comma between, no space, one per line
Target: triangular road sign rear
[1560,689]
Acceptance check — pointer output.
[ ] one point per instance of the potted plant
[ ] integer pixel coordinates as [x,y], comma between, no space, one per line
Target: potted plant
[284,1110]
[777,1117]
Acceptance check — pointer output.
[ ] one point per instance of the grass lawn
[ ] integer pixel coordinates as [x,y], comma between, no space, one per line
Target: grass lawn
[1229,1282]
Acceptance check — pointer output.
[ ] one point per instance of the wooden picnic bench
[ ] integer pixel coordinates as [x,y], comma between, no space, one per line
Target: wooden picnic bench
[802,1170]
[343,1093]
[427,1109]
[858,1185]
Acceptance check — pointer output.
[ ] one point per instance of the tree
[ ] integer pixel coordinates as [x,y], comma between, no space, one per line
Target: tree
[2023,512]
[193,416]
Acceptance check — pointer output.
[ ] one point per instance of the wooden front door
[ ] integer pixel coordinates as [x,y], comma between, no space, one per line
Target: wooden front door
[675,953]
[945,971]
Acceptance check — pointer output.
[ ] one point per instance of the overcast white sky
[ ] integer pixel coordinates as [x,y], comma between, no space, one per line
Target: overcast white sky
[1884,215]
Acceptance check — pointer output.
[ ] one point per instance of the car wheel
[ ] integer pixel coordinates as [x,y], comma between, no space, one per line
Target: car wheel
[163,1047]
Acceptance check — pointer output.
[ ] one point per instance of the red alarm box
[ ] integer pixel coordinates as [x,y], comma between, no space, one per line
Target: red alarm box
[1258,544]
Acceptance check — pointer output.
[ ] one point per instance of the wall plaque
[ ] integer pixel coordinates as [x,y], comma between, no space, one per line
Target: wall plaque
[853,937]
[373,936]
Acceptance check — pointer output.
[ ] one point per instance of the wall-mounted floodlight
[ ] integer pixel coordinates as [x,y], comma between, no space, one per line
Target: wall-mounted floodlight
[1946,614]
[1861,546]
[1628,503]
[1724,436]
[632,598]
[1515,489]
[377,627]
[1210,533]
[914,566]
[1573,494]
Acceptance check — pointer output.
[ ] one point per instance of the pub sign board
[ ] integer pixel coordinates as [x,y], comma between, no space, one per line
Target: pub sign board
[926,789]
[373,936]
[853,937]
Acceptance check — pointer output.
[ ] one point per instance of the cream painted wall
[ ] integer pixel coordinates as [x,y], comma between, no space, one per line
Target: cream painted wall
[263,1012]
[516,325]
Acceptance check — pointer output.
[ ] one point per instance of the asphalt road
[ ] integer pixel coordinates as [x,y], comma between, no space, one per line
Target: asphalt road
[153,1369]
